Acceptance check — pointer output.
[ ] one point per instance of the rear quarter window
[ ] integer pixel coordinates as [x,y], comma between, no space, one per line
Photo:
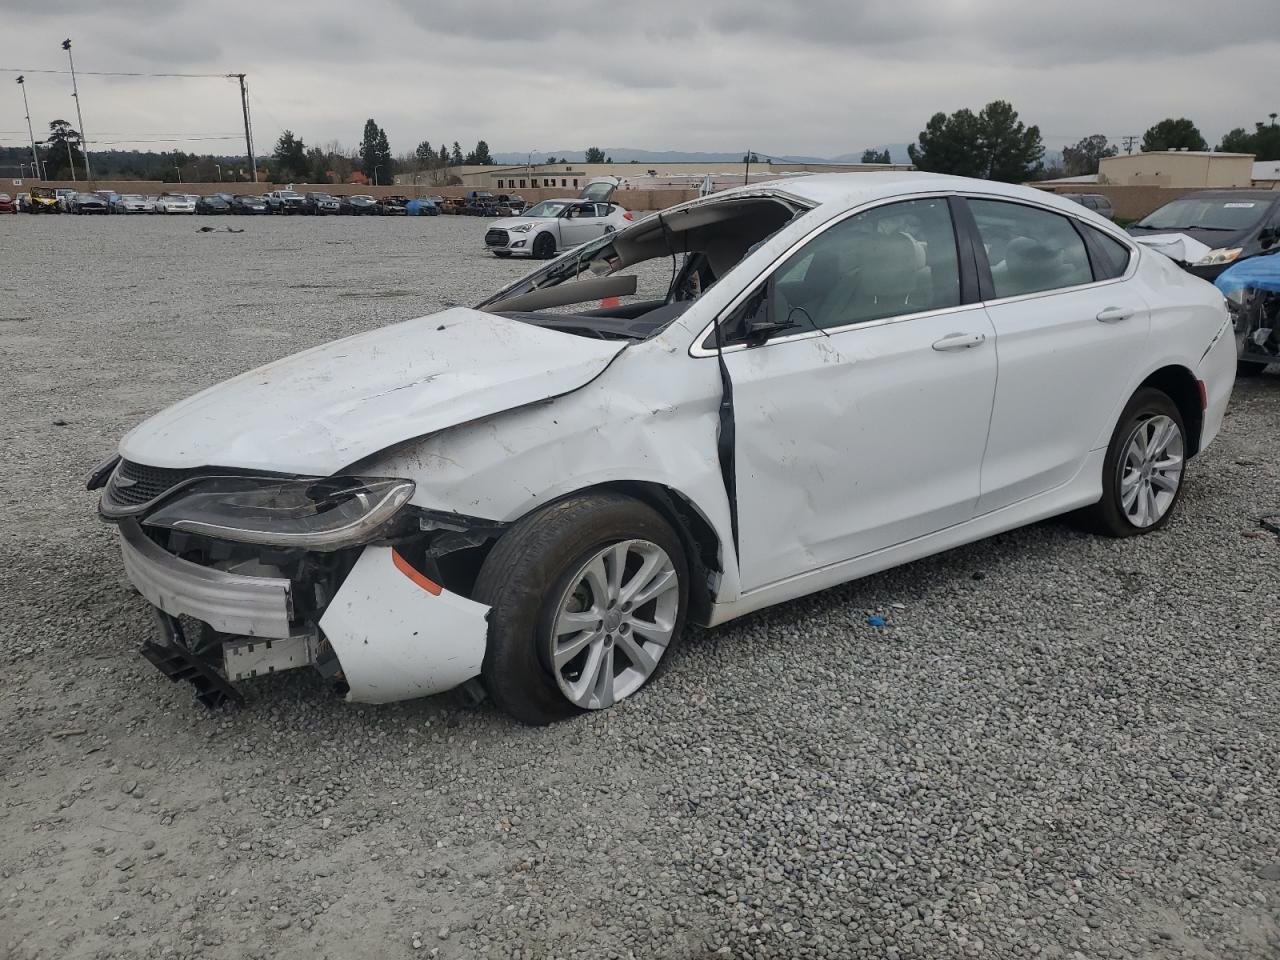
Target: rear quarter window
[1114,255]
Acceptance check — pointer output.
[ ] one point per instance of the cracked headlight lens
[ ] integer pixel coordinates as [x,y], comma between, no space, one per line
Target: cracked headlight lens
[312,514]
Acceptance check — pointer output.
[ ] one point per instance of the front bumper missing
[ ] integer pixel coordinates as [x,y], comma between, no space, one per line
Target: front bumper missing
[396,635]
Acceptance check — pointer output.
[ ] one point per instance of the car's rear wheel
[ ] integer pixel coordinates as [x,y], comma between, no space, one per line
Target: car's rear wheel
[544,246]
[1144,468]
[588,597]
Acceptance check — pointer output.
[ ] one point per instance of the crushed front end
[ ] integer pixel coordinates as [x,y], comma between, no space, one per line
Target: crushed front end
[250,574]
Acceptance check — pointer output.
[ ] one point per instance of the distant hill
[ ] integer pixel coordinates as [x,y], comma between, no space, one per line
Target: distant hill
[629,154]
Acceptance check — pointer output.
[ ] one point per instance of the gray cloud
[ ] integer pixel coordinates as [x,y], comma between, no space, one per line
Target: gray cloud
[823,77]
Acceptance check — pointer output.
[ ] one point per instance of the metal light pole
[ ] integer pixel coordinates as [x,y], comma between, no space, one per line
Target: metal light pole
[84,137]
[376,168]
[219,166]
[22,82]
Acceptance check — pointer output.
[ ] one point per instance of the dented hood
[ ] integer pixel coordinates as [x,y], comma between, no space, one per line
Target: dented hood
[321,410]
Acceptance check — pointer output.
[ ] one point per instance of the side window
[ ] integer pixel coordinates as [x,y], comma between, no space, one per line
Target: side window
[1115,255]
[889,261]
[1029,249]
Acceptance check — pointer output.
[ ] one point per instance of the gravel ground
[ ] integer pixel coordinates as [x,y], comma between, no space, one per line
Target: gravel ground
[1057,746]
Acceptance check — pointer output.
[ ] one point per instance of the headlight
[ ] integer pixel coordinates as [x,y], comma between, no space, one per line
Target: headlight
[1219,256]
[325,514]
[521,228]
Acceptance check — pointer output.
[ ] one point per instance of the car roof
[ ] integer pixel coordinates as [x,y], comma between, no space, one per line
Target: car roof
[851,189]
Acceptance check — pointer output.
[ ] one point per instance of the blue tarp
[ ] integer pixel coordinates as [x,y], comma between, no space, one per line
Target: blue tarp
[1256,273]
[418,208]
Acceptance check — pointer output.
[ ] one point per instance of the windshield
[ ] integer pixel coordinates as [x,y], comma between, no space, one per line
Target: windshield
[290,196]
[1205,213]
[547,209]
[632,284]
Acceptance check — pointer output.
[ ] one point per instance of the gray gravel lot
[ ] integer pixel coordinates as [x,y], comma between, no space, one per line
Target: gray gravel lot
[1058,746]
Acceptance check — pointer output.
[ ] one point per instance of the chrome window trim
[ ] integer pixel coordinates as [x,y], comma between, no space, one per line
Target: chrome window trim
[697,350]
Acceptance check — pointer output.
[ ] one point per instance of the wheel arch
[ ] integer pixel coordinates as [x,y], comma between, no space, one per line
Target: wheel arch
[1181,386]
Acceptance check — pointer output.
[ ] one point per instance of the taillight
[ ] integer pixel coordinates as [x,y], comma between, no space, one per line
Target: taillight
[626,215]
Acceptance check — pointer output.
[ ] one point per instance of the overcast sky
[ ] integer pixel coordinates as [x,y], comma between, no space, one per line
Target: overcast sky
[823,77]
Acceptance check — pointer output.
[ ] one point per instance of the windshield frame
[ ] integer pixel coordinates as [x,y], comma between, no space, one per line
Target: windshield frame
[1207,206]
[564,205]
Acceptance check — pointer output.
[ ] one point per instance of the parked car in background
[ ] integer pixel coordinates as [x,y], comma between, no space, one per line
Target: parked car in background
[7,204]
[213,203]
[509,205]
[321,204]
[88,203]
[110,196]
[175,203]
[43,200]
[421,207]
[358,205]
[552,226]
[285,201]
[66,196]
[1097,202]
[480,203]
[454,206]
[819,320]
[248,204]
[392,206]
[1235,224]
[132,203]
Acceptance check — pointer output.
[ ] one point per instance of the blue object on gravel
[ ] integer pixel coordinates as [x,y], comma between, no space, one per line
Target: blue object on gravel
[875,621]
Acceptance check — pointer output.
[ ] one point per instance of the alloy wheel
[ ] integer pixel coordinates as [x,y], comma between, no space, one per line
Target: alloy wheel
[1151,470]
[614,622]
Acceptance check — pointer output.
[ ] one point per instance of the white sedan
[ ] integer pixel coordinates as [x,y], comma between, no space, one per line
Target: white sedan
[551,226]
[748,398]
[175,203]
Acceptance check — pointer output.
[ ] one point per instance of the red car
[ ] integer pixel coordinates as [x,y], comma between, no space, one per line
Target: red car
[7,204]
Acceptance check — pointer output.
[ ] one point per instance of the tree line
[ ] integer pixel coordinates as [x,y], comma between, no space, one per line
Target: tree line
[994,144]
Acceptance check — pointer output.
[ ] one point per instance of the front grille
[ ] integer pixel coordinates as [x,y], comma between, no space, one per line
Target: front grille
[142,484]
[496,238]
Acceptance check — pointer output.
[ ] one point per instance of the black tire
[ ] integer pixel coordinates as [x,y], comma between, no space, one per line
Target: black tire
[1108,516]
[524,577]
[544,246]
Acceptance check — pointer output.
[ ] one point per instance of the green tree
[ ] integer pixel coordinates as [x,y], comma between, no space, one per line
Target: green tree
[1171,134]
[455,158]
[290,158]
[1263,143]
[375,153]
[594,155]
[479,157]
[317,165]
[1084,156]
[751,157]
[876,156]
[425,154]
[552,160]
[57,164]
[993,144]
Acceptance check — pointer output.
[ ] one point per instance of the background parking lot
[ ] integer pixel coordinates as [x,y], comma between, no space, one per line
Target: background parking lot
[1056,746]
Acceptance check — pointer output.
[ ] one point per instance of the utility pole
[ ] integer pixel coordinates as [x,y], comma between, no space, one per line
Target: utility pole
[746,174]
[84,137]
[31,133]
[248,127]
[1129,141]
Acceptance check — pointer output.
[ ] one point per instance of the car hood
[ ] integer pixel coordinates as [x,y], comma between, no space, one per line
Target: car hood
[320,410]
[1211,238]
[508,222]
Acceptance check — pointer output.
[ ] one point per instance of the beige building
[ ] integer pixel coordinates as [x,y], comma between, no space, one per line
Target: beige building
[1177,168]
[571,176]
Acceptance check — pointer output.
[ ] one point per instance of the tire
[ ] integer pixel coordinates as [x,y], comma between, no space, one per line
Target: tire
[1109,516]
[533,571]
[544,246]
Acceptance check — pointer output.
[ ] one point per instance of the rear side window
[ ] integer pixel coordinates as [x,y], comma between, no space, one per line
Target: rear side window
[1114,259]
[1029,250]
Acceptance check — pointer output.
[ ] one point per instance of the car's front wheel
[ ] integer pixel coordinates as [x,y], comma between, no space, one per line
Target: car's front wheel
[588,597]
[544,246]
[1144,468]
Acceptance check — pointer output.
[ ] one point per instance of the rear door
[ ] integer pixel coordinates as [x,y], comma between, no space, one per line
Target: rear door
[1070,331]
[582,223]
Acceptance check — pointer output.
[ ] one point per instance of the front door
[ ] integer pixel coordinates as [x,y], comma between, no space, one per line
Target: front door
[862,416]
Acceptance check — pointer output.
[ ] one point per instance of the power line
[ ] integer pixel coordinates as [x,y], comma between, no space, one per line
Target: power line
[118,73]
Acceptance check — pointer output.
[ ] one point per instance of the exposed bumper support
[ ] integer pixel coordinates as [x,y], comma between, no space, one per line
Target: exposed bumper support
[228,602]
[398,636]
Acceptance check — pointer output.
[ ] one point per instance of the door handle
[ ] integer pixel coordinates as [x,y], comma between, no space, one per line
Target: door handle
[1114,314]
[960,341]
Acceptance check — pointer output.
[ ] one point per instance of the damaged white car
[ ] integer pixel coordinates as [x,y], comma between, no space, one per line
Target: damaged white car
[794,384]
